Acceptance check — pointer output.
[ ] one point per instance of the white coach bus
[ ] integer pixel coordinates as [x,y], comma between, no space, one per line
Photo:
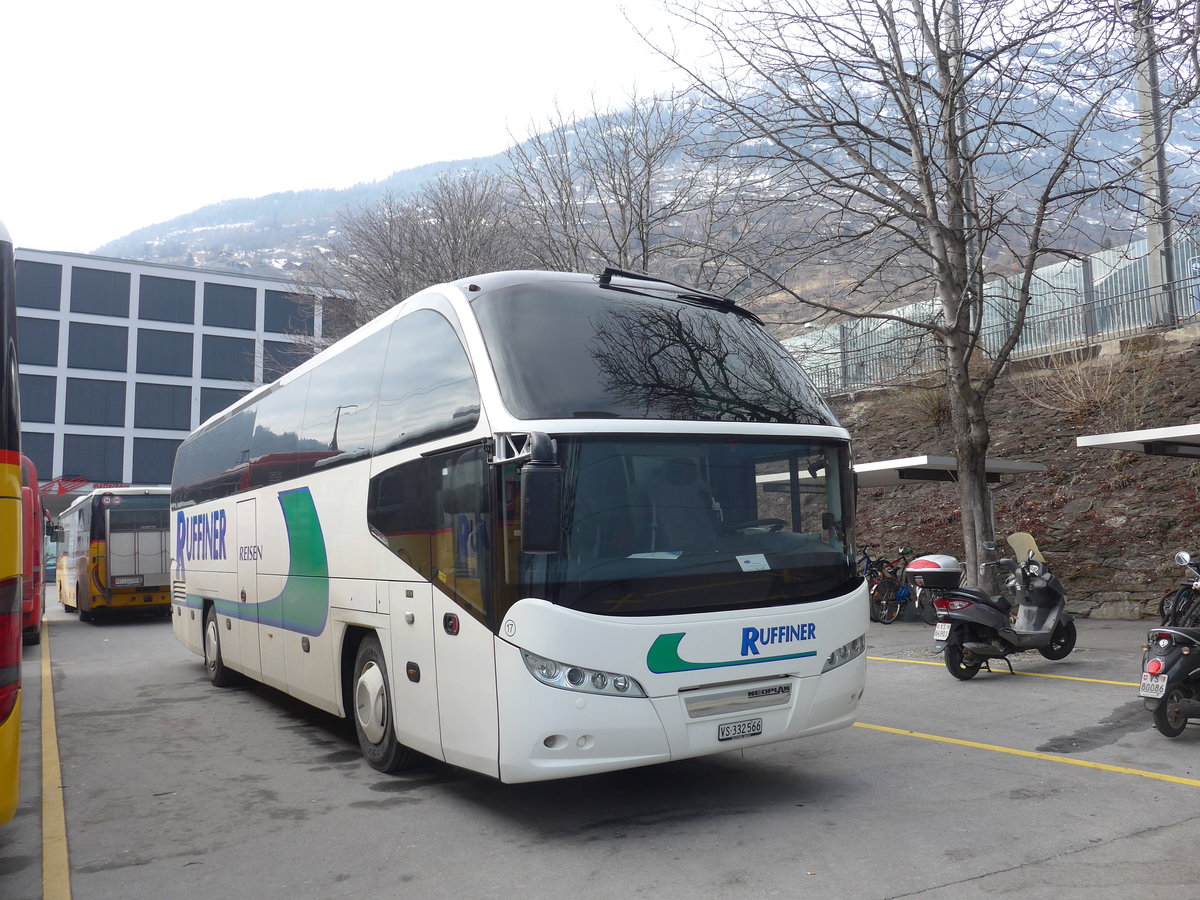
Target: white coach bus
[522,523]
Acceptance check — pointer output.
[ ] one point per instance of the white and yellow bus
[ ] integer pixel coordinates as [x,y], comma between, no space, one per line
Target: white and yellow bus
[524,523]
[115,552]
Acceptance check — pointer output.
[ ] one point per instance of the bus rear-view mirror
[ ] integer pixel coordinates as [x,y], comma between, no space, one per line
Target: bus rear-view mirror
[541,498]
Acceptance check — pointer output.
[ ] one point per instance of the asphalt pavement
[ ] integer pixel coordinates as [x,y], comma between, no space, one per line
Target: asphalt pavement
[1048,782]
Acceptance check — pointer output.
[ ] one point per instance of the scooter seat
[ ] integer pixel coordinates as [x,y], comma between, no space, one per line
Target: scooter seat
[975,595]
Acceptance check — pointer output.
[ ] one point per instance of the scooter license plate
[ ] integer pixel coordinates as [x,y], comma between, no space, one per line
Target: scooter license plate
[941,631]
[1153,685]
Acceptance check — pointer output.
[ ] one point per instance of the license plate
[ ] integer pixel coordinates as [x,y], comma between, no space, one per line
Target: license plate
[731,731]
[1153,685]
[941,631]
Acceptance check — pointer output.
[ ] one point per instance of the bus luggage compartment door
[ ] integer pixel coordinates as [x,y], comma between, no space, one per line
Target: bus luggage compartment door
[244,628]
[412,669]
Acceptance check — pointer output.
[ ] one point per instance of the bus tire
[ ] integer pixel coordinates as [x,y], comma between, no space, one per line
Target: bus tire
[85,615]
[372,711]
[218,674]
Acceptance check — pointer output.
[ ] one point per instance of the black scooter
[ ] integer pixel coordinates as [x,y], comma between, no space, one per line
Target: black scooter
[974,627]
[1170,685]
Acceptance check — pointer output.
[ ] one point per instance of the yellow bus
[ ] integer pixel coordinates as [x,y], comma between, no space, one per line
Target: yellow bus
[10,540]
[115,552]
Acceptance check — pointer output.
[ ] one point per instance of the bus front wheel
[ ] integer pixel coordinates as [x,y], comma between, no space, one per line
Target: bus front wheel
[213,662]
[373,711]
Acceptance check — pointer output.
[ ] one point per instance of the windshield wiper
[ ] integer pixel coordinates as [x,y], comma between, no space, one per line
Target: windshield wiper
[691,294]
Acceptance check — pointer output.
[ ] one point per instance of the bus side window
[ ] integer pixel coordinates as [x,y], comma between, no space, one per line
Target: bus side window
[461,541]
[429,388]
[399,516]
[343,395]
[432,513]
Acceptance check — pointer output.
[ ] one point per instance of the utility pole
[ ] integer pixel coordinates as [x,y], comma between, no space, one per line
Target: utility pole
[1160,256]
[337,420]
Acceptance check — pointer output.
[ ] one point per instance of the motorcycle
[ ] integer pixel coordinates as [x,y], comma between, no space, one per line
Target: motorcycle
[974,628]
[1170,685]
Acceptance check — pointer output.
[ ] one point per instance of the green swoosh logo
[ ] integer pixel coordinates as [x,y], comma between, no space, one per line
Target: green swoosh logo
[303,604]
[663,657]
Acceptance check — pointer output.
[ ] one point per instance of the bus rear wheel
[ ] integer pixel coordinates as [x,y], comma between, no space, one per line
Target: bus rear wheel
[373,711]
[218,674]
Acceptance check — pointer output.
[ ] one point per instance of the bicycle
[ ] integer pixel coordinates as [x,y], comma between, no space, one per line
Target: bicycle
[866,568]
[873,571]
[890,589]
[925,607]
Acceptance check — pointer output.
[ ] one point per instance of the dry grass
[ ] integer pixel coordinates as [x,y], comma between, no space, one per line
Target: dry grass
[925,405]
[1110,393]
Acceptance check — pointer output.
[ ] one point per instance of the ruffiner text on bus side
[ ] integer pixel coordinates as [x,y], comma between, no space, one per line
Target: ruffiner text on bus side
[201,536]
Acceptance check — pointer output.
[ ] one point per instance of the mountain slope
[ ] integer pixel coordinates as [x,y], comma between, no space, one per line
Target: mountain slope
[273,233]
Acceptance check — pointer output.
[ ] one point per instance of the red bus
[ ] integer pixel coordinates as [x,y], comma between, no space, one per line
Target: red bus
[32,527]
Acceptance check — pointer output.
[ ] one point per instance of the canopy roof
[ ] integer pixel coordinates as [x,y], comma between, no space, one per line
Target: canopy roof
[1178,440]
[915,469]
[893,472]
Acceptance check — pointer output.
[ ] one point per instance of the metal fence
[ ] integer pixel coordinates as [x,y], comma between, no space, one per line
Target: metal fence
[865,353]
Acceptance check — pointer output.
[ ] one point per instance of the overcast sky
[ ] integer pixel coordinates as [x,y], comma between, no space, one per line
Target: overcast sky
[123,114]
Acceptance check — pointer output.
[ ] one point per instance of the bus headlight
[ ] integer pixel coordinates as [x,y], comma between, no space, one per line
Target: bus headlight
[578,678]
[845,653]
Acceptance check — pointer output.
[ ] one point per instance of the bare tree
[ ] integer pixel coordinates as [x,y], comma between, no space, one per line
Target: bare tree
[463,227]
[455,226]
[629,189]
[909,150]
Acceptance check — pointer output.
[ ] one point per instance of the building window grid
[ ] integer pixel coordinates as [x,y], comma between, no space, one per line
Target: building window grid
[39,285]
[162,352]
[96,402]
[63,451]
[231,306]
[35,337]
[98,347]
[39,398]
[162,299]
[100,292]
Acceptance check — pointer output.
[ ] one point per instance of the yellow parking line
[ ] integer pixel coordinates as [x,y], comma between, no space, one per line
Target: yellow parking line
[1120,770]
[924,662]
[56,869]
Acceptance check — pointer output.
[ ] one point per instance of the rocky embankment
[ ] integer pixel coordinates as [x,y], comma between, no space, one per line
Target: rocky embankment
[1109,522]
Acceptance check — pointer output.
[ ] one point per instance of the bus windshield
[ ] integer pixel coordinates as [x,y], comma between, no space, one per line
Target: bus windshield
[653,525]
[643,357]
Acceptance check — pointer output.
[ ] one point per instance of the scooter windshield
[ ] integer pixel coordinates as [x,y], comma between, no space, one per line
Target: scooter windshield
[1023,544]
